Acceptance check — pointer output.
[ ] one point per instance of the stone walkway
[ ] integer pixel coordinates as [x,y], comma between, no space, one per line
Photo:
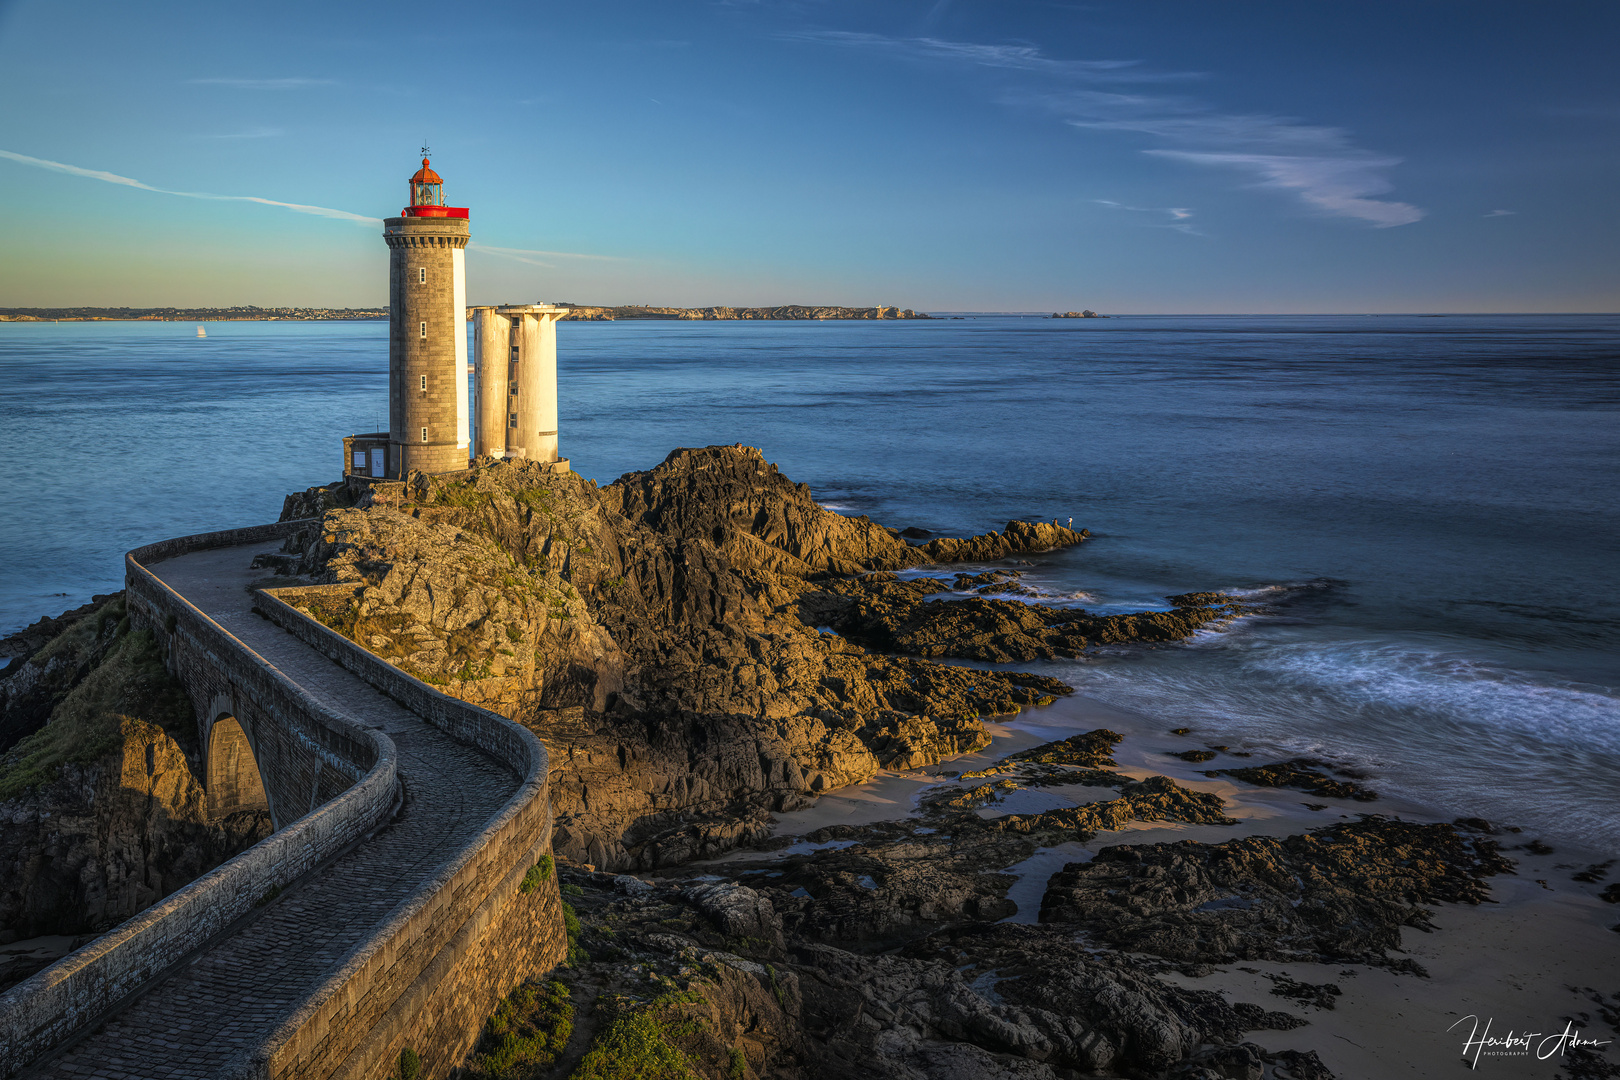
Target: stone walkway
[230,997]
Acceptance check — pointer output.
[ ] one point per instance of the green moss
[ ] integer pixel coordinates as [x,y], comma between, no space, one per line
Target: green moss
[537,874]
[465,495]
[526,1035]
[738,1066]
[573,890]
[410,1065]
[128,691]
[576,953]
[776,988]
[642,1043]
[432,678]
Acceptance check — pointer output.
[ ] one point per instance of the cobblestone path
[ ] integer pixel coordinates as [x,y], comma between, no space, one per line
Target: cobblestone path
[229,997]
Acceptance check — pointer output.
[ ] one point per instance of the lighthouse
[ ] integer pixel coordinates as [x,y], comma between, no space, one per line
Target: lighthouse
[427,332]
[515,357]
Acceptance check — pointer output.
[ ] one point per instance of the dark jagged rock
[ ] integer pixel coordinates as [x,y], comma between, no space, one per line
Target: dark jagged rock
[972,1001]
[886,613]
[652,633]
[1341,892]
[1304,774]
[1156,798]
[1317,995]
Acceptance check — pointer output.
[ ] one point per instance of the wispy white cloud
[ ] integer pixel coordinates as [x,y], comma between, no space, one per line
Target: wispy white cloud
[125,181]
[264,84]
[1320,165]
[1337,185]
[537,258]
[1179,215]
[1501,213]
[1014,57]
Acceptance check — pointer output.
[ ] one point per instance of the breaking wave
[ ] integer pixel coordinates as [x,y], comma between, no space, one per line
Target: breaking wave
[1453,732]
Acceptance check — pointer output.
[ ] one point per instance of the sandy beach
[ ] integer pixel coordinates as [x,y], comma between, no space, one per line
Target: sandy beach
[1526,965]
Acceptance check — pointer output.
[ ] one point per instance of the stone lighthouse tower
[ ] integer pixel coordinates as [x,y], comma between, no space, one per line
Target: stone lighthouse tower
[427,332]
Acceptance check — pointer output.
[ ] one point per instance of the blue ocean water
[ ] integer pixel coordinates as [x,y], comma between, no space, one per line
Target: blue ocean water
[1435,499]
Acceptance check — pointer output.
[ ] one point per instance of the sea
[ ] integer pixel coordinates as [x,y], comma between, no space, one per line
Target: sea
[1427,507]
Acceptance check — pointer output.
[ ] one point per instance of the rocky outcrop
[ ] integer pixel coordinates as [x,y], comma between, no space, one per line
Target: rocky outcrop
[48,659]
[1339,893]
[977,1000]
[102,810]
[652,634]
[888,613]
[1303,774]
[107,838]
[666,635]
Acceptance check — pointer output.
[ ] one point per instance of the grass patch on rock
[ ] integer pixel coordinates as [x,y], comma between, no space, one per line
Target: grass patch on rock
[526,1035]
[643,1042]
[129,687]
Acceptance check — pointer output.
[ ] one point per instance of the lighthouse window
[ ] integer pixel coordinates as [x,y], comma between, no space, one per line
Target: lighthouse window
[424,331]
[424,384]
[512,420]
[421,274]
[424,434]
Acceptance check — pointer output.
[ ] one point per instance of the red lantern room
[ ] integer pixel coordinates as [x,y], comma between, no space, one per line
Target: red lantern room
[427,196]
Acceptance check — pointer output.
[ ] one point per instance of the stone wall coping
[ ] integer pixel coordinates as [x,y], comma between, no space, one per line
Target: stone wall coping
[306,1033]
[73,993]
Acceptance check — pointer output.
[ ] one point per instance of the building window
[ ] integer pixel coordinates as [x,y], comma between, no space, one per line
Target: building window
[424,384]
[514,391]
[421,275]
[424,331]
[424,434]
[512,421]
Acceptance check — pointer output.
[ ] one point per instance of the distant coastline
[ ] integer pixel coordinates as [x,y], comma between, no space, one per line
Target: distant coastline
[169,314]
[578,312]
[589,313]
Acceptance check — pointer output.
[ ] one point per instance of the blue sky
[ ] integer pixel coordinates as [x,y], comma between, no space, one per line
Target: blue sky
[1128,157]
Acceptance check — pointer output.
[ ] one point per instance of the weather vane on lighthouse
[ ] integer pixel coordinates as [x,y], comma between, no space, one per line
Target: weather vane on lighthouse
[424,148]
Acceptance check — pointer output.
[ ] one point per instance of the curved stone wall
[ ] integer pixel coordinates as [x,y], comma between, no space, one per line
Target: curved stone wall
[469,935]
[433,969]
[42,1011]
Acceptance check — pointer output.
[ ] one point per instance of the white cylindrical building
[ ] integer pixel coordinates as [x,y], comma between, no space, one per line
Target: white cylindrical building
[531,430]
[493,406]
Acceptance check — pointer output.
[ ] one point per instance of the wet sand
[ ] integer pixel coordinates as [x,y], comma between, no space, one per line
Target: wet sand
[1522,963]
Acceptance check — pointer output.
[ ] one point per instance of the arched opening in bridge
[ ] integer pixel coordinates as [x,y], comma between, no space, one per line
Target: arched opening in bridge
[233,773]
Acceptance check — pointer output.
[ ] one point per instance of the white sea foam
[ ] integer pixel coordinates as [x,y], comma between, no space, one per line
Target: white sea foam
[1455,732]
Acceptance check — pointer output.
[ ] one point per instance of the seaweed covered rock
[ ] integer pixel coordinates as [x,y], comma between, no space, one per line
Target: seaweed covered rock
[1303,774]
[1342,892]
[884,612]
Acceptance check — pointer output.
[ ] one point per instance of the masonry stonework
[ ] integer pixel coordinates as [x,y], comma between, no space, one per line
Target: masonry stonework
[404,920]
[427,332]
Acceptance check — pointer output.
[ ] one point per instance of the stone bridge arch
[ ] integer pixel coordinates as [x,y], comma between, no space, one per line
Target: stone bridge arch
[231,771]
